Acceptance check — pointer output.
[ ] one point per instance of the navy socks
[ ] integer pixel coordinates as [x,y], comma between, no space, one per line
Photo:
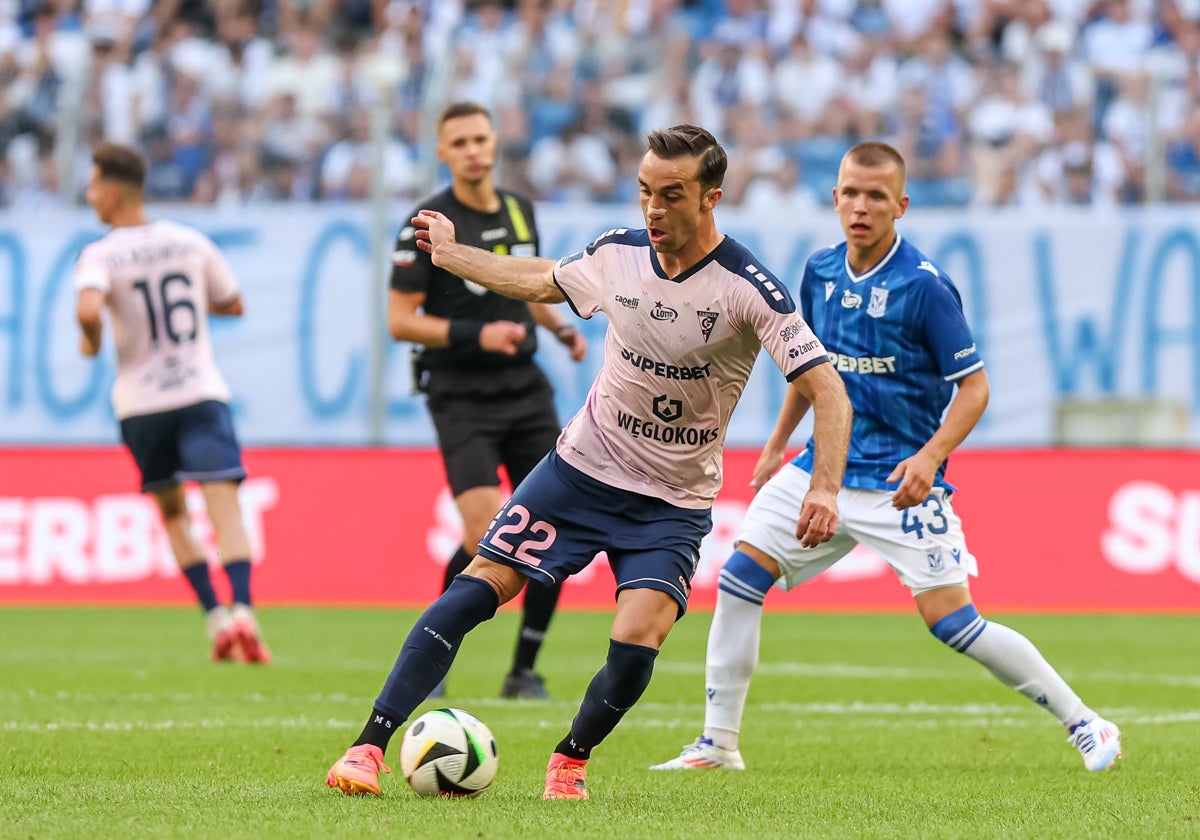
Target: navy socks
[432,645]
[612,692]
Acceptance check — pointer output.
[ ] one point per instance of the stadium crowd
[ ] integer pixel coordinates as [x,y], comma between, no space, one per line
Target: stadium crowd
[993,102]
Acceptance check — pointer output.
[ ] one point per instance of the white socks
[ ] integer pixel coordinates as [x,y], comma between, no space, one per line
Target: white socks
[732,656]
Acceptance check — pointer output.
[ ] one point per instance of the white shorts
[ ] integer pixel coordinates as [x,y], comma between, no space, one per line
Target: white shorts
[924,544]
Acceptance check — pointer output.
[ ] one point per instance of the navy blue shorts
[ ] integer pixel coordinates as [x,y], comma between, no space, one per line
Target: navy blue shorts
[559,519]
[193,443]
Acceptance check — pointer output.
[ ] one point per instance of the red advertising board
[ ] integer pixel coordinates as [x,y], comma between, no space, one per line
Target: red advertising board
[1054,530]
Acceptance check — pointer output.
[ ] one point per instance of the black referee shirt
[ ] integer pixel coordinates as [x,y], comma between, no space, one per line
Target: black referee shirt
[509,230]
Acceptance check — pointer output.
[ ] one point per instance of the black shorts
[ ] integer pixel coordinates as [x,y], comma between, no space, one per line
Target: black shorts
[193,443]
[478,431]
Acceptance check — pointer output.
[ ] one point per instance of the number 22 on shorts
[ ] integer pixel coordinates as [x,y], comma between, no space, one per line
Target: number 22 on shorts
[538,536]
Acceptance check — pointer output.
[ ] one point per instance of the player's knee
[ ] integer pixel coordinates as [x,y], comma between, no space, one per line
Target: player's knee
[743,577]
[960,628]
[629,669]
[171,503]
[507,581]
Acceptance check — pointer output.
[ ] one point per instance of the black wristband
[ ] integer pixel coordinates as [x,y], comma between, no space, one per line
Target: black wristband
[561,328]
[464,333]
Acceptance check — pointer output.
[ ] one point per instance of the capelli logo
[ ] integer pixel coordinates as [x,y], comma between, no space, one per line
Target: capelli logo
[663,313]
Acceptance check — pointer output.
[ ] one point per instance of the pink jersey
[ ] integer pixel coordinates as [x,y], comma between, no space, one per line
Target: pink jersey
[677,355]
[159,280]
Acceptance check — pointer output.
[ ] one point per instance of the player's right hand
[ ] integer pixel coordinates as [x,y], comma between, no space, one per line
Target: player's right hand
[818,518]
[768,462]
[433,231]
[502,337]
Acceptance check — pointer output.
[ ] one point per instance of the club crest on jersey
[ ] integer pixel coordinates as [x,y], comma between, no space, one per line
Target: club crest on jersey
[829,287]
[936,563]
[663,313]
[878,304]
[707,321]
[851,300]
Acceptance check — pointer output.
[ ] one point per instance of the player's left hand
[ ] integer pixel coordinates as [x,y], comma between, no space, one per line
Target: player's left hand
[818,518]
[433,231]
[573,340]
[915,475]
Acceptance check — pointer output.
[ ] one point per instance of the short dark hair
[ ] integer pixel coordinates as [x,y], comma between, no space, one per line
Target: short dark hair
[873,153]
[462,109]
[123,164]
[692,141]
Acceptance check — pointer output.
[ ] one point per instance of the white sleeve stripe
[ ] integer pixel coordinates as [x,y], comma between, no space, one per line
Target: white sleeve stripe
[954,377]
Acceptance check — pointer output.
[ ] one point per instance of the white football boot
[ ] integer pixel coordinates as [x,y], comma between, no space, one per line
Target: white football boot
[703,754]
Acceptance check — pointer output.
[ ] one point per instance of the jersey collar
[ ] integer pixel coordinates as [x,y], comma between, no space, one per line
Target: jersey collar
[875,269]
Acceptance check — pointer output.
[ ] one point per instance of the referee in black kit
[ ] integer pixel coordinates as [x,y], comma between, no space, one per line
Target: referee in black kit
[490,403]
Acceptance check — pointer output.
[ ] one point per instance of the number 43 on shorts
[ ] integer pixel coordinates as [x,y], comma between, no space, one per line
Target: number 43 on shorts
[920,518]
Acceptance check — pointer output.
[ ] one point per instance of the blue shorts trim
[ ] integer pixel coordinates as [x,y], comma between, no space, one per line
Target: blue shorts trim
[558,519]
[193,443]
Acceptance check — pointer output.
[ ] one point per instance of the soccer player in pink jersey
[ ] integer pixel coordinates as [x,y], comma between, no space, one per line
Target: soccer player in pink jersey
[635,471]
[159,280]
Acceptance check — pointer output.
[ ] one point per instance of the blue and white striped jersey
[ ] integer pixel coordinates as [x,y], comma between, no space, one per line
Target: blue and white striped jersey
[898,336]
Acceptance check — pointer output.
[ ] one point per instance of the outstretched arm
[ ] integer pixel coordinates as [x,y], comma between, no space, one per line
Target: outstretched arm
[822,387]
[522,278]
[916,473]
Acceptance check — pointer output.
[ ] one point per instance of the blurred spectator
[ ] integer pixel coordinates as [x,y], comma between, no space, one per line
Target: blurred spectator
[39,188]
[1115,45]
[1075,169]
[288,134]
[166,178]
[1060,81]
[109,99]
[656,52]
[1007,130]
[115,22]
[1183,162]
[778,189]
[573,166]
[804,84]
[282,180]
[732,73]
[346,167]
[240,60]
[45,63]
[932,144]
[910,21]
[1127,126]
[306,73]
[545,55]
[947,79]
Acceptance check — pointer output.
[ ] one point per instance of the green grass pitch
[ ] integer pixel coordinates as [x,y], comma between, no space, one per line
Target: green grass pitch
[114,724]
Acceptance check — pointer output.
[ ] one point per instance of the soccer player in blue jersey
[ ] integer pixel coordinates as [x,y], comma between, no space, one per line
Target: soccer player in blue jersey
[894,328]
[635,471]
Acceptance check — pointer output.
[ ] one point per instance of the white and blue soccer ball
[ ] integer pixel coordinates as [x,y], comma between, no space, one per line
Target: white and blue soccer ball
[449,752]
